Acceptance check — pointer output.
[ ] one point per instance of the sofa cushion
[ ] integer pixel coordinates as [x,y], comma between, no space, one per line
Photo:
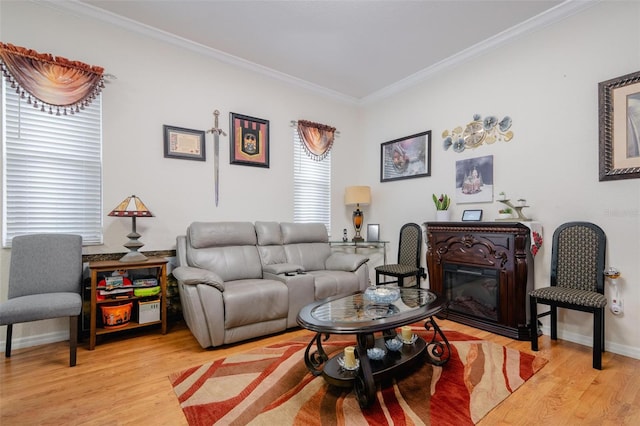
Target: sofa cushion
[311,256]
[294,233]
[326,283]
[227,248]
[270,243]
[345,261]
[230,263]
[268,233]
[281,268]
[220,234]
[254,301]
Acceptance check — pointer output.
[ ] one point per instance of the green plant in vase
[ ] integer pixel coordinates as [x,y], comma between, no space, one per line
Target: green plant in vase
[442,207]
[442,202]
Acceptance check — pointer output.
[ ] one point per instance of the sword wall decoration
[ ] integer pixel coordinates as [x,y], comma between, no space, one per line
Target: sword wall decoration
[216,152]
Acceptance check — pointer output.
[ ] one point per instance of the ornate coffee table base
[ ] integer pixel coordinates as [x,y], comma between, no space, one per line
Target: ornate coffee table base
[438,352]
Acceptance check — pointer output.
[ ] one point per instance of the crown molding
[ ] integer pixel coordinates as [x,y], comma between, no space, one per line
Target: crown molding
[551,16]
[87,10]
[556,14]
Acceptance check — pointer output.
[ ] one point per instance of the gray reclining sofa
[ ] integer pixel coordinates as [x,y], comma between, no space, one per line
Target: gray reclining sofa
[238,280]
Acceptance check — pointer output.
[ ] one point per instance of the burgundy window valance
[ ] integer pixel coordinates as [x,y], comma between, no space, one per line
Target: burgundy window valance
[50,81]
[317,139]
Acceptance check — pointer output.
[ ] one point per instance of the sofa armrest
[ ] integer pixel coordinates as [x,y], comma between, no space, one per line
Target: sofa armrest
[281,268]
[345,262]
[301,292]
[192,276]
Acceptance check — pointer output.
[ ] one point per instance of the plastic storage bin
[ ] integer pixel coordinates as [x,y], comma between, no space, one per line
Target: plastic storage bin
[148,311]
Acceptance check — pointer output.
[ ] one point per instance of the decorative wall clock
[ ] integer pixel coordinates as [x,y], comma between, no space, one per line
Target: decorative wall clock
[478,132]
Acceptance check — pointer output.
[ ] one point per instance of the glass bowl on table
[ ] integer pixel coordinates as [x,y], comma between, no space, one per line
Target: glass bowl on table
[382,294]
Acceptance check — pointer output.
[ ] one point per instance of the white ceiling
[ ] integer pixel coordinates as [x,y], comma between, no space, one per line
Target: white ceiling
[354,49]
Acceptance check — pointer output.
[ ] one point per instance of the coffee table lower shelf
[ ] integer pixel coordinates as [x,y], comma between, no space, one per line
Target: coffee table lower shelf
[370,371]
[352,314]
[406,357]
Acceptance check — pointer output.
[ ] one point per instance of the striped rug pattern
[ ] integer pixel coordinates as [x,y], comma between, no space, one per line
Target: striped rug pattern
[271,386]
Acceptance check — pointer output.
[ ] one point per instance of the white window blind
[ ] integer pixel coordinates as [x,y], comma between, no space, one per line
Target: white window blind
[311,187]
[52,170]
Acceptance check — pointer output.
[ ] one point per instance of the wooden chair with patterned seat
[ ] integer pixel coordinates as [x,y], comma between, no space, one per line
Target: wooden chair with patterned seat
[409,249]
[577,281]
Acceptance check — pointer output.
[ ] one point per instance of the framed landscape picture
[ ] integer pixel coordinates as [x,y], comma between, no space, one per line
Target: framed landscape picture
[619,114]
[406,158]
[249,141]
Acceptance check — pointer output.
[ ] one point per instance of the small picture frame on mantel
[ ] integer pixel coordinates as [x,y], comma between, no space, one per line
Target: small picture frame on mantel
[373,232]
[472,216]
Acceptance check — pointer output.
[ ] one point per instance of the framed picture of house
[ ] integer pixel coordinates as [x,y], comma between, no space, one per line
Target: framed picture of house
[474,180]
[406,158]
[186,144]
[249,141]
[619,114]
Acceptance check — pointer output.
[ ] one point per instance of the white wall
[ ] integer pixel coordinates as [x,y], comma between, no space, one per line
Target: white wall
[160,83]
[546,81]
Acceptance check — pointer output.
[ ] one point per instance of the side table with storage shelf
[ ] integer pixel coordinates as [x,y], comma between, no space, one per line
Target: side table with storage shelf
[142,314]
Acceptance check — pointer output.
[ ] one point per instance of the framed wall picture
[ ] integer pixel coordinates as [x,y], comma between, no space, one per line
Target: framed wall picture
[619,115]
[406,158]
[474,180]
[186,144]
[249,141]
[472,215]
[373,232]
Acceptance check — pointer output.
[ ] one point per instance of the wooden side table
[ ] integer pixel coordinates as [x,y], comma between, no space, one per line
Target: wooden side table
[158,263]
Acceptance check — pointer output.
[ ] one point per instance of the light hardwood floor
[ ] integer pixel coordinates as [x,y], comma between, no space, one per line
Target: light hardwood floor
[124,381]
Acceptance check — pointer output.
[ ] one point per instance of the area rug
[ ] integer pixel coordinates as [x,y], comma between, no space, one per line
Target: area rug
[272,386]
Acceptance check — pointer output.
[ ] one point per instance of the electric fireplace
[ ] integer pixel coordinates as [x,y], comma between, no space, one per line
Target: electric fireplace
[485,270]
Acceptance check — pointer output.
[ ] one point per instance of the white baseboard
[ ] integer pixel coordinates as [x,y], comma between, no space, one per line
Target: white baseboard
[59,336]
[39,339]
[588,341]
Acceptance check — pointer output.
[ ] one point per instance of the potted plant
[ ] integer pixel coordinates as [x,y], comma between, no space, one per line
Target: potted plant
[505,213]
[442,207]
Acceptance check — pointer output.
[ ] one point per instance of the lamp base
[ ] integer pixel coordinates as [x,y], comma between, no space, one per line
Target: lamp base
[133,256]
[133,245]
[358,218]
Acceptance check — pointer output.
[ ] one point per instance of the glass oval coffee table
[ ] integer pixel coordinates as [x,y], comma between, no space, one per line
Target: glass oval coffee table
[378,358]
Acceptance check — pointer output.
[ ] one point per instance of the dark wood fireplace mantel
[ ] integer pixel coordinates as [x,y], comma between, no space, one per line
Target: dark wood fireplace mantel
[502,249]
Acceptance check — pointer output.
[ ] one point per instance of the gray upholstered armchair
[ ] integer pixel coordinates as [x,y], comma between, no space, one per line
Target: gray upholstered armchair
[45,277]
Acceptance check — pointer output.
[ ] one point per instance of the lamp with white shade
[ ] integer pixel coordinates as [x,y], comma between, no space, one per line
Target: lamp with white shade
[357,196]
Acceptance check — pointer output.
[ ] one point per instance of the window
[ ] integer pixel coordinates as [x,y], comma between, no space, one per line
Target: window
[52,170]
[311,187]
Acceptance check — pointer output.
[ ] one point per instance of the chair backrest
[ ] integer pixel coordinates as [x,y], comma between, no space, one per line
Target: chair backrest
[410,245]
[45,263]
[578,257]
